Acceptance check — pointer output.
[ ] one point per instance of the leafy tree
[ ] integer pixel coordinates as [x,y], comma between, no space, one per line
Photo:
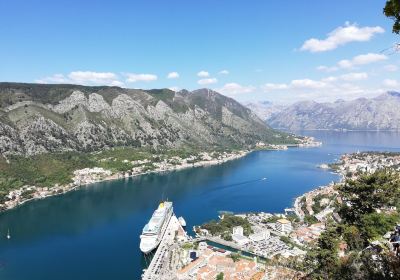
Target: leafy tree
[368,193]
[392,11]
[324,259]
[361,223]
[352,237]
[375,224]
[220,276]
[235,256]
[225,225]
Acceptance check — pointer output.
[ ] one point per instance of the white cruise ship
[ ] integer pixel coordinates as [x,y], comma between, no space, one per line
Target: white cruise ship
[154,230]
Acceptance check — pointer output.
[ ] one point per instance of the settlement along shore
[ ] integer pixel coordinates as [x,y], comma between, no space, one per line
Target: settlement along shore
[261,245]
[88,176]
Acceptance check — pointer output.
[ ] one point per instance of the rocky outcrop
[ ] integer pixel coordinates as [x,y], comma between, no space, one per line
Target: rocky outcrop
[37,118]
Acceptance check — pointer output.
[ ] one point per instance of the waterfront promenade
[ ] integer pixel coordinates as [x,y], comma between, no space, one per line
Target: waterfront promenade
[160,265]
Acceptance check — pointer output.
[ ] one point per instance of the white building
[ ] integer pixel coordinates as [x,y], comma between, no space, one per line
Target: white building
[260,236]
[240,239]
[284,226]
[237,230]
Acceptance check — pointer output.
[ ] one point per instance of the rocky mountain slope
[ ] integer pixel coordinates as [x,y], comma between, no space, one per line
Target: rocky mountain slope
[379,113]
[38,118]
[264,109]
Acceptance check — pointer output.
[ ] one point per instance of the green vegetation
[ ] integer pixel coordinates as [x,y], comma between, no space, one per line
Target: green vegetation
[224,227]
[367,193]
[317,207]
[47,170]
[235,256]
[288,241]
[48,93]
[304,205]
[44,170]
[271,219]
[361,224]
[187,246]
[392,11]
[309,219]
[167,96]
[220,276]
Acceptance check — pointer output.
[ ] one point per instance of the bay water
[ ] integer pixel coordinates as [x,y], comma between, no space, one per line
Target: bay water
[93,232]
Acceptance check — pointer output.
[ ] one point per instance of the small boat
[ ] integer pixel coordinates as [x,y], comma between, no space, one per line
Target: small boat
[182,221]
[263,179]
[8,234]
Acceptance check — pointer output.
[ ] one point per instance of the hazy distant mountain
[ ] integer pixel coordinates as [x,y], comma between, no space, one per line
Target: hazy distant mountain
[39,118]
[264,109]
[379,113]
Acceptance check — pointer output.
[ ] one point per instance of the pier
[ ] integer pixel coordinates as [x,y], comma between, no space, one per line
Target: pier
[159,267]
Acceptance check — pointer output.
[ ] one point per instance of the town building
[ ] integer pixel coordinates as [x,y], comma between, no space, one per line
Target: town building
[238,237]
[238,230]
[260,236]
[283,225]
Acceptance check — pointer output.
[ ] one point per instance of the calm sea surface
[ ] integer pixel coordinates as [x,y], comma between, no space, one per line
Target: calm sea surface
[93,233]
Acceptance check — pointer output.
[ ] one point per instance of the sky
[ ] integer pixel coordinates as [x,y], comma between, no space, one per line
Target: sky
[281,51]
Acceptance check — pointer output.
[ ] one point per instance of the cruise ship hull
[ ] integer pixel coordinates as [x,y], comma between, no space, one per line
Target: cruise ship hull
[153,234]
[148,247]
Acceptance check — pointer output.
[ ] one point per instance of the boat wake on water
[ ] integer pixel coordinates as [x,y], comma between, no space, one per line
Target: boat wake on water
[235,185]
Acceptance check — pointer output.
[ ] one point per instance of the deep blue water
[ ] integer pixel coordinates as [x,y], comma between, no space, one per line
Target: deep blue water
[93,233]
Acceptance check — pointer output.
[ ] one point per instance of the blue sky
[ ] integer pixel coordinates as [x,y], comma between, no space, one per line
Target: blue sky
[249,50]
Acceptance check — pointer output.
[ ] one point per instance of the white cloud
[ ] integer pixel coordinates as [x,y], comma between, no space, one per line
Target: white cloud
[391,68]
[362,60]
[133,78]
[392,84]
[327,69]
[232,89]
[307,84]
[203,74]
[92,77]
[174,89]
[84,78]
[354,76]
[223,72]
[296,84]
[272,86]
[208,81]
[329,79]
[56,78]
[341,36]
[173,75]
[347,86]
[117,83]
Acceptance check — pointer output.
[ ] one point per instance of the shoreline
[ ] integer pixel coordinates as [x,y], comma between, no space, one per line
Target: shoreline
[87,176]
[45,192]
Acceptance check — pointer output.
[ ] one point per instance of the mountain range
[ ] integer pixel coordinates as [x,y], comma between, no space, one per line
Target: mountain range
[40,118]
[378,113]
